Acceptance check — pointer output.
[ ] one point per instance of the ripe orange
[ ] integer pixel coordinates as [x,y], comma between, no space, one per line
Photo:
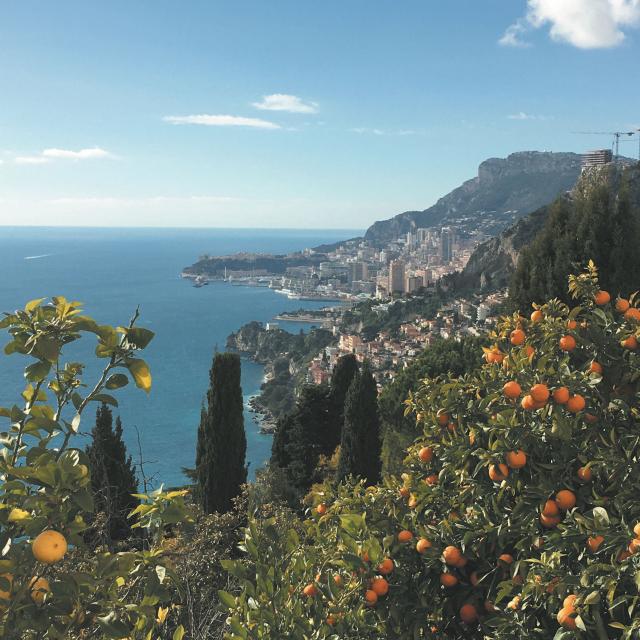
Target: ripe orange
[632,314]
[585,474]
[461,563]
[495,356]
[448,580]
[49,547]
[310,590]
[630,343]
[331,620]
[451,555]
[443,418]
[422,545]
[549,522]
[567,343]
[539,392]
[512,389]
[516,459]
[432,480]
[380,586]
[517,337]
[506,558]
[561,395]
[622,305]
[565,499]
[634,546]
[337,580]
[595,367]
[405,492]
[636,530]
[550,509]
[386,566]
[594,543]
[537,316]
[566,618]
[39,588]
[576,403]
[528,403]
[570,601]
[514,603]
[405,536]
[529,350]
[6,594]
[499,472]
[571,325]
[426,454]
[321,509]
[371,597]
[601,298]
[622,556]
[468,613]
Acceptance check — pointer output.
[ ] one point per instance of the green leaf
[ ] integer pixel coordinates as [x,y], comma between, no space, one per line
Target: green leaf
[139,337]
[227,599]
[178,634]
[84,500]
[37,371]
[105,398]
[33,304]
[75,423]
[139,369]
[47,348]
[116,381]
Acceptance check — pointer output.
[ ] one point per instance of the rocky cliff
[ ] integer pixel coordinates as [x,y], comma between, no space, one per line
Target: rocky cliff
[505,190]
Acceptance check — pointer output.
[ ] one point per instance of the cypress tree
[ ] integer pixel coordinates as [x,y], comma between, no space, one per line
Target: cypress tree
[360,444]
[222,444]
[113,478]
[343,374]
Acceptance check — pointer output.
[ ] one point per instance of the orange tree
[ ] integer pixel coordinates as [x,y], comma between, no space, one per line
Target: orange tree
[516,515]
[51,586]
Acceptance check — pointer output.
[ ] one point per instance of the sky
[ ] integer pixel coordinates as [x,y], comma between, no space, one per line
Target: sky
[293,113]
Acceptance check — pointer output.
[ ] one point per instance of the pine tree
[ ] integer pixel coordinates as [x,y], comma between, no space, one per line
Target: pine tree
[222,444]
[343,374]
[113,478]
[360,443]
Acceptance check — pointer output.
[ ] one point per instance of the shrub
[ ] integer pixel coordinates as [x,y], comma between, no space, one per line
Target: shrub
[521,521]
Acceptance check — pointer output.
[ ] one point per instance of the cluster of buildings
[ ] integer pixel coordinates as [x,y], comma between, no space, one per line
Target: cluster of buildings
[405,265]
[389,352]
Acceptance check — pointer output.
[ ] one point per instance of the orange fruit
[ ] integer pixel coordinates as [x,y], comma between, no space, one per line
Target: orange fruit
[537,316]
[601,298]
[585,474]
[539,392]
[566,618]
[499,472]
[443,418]
[422,545]
[6,595]
[338,581]
[331,620]
[365,556]
[461,563]
[448,580]
[426,454]
[468,613]
[528,403]
[514,603]
[571,325]
[405,492]
[386,566]
[630,343]
[561,395]
[517,337]
[632,314]
[512,389]
[506,558]
[595,367]
[570,602]
[622,305]
[49,547]
[310,590]
[623,555]
[576,403]
[594,543]
[516,459]
[380,586]
[634,546]
[451,555]
[636,530]
[567,343]
[39,588]
[565,499]
[431,480]
[549,522]
[529,350]
[371,597]
[321,509]
[550,509]
[474,579]
[405,536]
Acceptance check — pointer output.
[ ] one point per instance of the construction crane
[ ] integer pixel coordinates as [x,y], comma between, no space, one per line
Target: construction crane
[616,137]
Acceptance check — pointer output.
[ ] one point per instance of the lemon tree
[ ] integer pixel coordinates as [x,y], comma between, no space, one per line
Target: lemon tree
[515,515]
[51,585]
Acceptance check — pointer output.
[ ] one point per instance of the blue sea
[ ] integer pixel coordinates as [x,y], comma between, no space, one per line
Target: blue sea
[113,271]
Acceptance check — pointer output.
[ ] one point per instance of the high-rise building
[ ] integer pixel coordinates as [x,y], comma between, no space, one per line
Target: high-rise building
[358,271]
[396,277]
[596,158]
[447,236]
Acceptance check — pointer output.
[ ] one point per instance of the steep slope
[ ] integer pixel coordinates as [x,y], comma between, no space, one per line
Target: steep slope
[504,190]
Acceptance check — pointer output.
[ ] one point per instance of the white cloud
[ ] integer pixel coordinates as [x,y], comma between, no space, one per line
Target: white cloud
[521,115]
[81,154]
[586,24]
[286,102]
[386,132]
[222,121]
[31,160]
